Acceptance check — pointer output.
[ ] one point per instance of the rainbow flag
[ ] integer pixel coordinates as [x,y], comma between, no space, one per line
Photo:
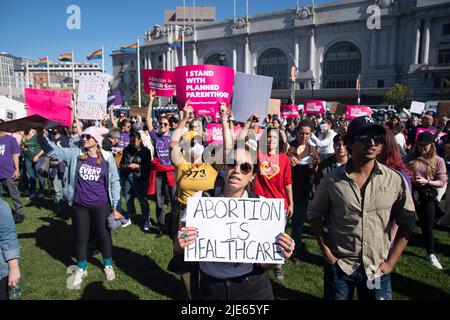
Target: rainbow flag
[65,57]
[176,43]
[132,48]
[95,55]
[42,62]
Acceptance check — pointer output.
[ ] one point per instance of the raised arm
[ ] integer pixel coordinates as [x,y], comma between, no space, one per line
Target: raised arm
[178,133]
[248,124]
[111,115]
[148,117]
[226,132]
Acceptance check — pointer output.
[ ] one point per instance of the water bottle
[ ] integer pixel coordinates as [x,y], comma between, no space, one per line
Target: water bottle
[15,293]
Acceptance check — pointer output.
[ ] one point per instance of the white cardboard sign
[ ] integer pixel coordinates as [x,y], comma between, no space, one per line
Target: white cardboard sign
[417,107]
[92,97]
[239,230]
[251,95]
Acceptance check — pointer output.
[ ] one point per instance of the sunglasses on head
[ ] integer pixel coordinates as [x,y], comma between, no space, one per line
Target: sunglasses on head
[377,139]
[245,167]
[86,137]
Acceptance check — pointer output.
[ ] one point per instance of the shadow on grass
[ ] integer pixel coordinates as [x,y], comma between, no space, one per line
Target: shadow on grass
[439,247]
[42,204]
[147,272]
[97,291]
[416,290]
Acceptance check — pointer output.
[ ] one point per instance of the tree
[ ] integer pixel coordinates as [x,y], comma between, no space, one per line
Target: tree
[399,96]
[144,99]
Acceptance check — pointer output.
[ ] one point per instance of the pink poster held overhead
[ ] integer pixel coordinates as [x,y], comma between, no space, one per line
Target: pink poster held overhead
[51,104]
[358,111]
[160,80]
[314,107]
[206,86]
[289,111]
[420,130]
[214,133]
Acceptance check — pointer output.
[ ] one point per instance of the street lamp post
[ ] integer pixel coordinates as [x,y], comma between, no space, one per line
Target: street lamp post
[293,78]
[313,82]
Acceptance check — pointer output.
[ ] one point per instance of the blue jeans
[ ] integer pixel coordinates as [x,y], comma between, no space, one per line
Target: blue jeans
[136,189]
[298,220]
[33,175]
[340,286]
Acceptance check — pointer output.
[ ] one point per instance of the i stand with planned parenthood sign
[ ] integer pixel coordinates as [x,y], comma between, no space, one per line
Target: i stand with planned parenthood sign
[239,230]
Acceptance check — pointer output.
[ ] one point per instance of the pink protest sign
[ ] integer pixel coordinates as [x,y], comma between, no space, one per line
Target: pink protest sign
[214,133]
[160,80]
[358,111]
[206,86]
[420,130]
[50,104]
[314,107]
[289,111]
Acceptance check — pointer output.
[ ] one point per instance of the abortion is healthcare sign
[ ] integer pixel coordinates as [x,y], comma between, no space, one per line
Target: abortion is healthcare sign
[358,111]
[206,86]
[50,104]
[314,107]
[162,81]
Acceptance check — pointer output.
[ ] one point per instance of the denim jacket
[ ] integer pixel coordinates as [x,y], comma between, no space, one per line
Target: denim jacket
[9,246]
[70,157]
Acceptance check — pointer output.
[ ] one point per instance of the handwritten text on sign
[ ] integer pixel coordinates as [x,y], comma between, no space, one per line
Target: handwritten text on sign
[205,86]
[50,104]
[162,81]
[92,97]
[240,230]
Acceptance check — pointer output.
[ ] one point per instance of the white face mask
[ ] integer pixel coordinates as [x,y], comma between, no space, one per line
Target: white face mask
[324,127]
[319,120]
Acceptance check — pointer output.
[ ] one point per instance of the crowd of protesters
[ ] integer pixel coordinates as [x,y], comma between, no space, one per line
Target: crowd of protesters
[359,184]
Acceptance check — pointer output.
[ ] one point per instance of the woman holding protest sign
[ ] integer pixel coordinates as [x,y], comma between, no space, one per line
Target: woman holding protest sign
[222,280]
[304,163]
[162,177]
[193,175]
[93,188]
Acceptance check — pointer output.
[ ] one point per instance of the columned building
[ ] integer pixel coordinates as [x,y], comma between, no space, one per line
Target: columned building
[330,44]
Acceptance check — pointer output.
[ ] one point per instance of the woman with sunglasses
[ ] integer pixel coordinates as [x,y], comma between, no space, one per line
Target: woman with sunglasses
[222,280]
[304,160]
[93,190]
[429,173]
[162,176]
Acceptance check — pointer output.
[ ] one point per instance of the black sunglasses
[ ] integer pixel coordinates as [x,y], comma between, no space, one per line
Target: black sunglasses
[377,139]
[86,136]
[163,124]
[245,167]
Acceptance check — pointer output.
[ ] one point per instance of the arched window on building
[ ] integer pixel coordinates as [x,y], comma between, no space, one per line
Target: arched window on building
[218,59]
[342,65]
[274,63]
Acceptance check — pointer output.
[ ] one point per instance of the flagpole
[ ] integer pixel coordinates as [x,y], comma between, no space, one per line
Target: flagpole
[359,89]
[48,73]
[73,70]
[103,60]
[139,72]
[182,33]
[28,75]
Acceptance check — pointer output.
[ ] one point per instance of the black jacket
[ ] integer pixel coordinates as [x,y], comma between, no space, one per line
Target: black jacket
[139,156]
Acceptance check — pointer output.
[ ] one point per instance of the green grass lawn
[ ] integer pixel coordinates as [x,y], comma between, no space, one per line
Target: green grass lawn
[140,261]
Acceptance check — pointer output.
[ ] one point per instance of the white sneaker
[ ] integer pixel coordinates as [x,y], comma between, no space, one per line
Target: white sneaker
[79,276]
[434,261]
[110,274]
[147,226]
[126,224]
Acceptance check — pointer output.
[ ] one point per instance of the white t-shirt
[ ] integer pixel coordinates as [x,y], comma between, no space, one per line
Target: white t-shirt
[400,138]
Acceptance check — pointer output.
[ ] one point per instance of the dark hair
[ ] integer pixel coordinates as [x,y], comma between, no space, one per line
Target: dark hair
[124,122]
[280,138]
[398,128]
[338,138]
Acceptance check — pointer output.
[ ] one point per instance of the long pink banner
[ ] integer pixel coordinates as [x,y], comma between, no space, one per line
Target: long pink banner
[160,80]
[358,111]
[50,104]
[206,86]
[289,111]
[314,107]
[420,130]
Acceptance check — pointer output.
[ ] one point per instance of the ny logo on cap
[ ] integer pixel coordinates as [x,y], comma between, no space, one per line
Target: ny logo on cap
[368,120]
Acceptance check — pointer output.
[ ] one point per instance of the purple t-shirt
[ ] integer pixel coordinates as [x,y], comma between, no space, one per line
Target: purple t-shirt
[162,145]
[124,140]
[90,190]
[8,147]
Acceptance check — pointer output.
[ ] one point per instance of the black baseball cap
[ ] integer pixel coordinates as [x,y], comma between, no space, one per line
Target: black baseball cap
[425,138]
[364,125]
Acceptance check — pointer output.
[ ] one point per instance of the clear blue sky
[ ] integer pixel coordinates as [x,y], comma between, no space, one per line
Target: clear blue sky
[37,28]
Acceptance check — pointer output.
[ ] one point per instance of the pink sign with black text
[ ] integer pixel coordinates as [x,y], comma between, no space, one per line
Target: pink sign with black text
[206,86]
[162,81]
